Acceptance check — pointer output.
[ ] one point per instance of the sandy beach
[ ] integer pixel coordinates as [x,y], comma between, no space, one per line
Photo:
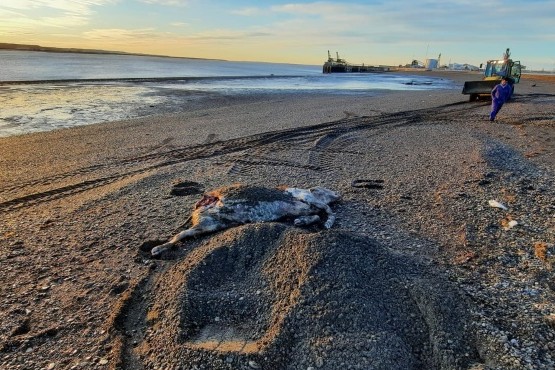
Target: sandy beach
[419,271]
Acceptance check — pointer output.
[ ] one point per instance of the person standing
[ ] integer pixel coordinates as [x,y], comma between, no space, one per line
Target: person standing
[499,95]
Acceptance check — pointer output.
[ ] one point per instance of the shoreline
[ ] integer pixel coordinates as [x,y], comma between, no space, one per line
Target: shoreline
[418,271]
[142,79]
[456,75]
[547,76]
[51,104]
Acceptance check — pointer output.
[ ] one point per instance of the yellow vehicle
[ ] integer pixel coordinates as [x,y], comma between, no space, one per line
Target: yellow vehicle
[495,70]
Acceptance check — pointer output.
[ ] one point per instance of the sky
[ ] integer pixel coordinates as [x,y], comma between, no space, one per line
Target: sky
[300,32]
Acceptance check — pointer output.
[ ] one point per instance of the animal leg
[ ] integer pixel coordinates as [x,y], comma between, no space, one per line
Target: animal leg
[306,220]
[317,197]
[330,221]
[202,228]
[331,216]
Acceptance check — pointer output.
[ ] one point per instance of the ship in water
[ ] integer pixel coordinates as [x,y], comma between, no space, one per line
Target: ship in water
[339,65]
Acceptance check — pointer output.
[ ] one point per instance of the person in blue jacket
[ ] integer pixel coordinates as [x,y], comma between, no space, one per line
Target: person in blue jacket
[499,95]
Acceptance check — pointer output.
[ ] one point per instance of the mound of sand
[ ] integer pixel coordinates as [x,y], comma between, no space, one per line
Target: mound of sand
[271,296]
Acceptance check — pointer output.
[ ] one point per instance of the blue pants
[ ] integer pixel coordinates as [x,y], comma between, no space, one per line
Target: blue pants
[495,107]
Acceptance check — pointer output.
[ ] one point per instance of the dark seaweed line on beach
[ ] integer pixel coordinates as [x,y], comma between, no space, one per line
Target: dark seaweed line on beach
[142,79]
[214,149]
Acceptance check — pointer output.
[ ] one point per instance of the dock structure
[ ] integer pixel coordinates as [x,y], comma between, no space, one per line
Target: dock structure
[339,65]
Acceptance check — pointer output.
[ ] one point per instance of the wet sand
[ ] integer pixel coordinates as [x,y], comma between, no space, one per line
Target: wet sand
[418,272]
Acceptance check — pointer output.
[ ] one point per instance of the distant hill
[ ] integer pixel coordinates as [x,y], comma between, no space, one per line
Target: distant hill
[25,47]
[56,50]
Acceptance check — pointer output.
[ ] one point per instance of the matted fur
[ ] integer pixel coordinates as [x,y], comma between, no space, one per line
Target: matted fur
[241,204]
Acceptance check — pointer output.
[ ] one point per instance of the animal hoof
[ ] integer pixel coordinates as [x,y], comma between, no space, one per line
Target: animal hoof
[306,220]
[157,251]
[147,245]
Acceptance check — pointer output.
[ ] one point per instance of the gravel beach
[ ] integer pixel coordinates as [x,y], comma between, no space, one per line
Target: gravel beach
[441,256]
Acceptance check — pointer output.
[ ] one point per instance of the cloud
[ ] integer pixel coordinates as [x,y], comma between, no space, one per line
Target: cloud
[322,9]
[406,21]
[7,14]
[63,21]
[179,24]
[167,2]
[228,34]
[15,26]
[23,15]
[81,7]
[362,30]
[247,12]
[121,35]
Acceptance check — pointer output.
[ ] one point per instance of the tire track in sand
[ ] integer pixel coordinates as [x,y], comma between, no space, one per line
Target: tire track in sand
[321,135]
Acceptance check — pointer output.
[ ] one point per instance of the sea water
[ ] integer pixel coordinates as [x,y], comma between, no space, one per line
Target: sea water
[41,91]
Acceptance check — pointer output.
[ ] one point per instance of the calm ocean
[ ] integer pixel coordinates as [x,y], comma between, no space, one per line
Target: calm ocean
[51,95]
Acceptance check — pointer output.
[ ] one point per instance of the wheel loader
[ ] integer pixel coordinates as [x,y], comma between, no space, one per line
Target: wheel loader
[495,70]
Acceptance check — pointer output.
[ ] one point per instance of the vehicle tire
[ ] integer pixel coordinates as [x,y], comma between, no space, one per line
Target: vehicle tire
[473,97]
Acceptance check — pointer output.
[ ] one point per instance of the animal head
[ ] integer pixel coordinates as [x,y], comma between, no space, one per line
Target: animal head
[324,195]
